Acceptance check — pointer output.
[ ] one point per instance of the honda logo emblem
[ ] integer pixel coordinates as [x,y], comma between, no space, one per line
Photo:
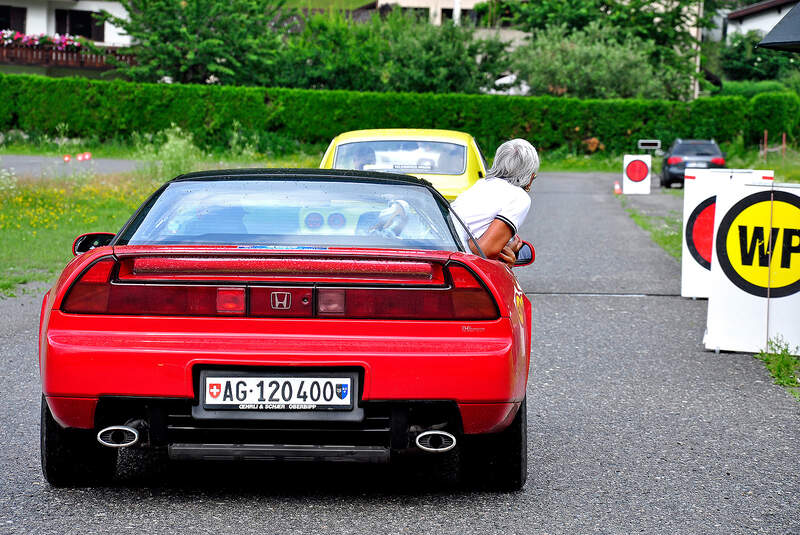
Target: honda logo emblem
[280,300]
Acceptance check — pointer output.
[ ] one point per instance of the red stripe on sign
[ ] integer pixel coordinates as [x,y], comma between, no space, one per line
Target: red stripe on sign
[768,178]
[688,176]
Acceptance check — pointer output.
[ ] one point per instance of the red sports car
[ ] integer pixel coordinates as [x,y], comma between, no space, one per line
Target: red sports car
[286,314]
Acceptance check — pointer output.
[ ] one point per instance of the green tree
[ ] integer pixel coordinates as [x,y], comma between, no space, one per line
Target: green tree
[591,63]
[330,52]
[200,41]
[396,53]
[741,60]
[667,24]
[421,57]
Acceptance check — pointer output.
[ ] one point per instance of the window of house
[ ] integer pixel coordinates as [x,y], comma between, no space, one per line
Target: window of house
[447,14]
[13,18]
[77,22]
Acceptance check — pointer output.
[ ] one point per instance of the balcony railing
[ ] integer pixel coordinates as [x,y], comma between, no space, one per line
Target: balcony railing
[13,55]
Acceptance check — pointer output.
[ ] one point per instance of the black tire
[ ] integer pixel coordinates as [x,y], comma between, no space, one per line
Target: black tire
[72,457]
[499,461]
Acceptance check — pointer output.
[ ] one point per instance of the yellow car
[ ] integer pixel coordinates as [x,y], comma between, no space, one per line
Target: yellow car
[449,160]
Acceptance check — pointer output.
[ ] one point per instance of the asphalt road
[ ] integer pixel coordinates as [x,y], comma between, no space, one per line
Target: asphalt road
[632,426]
[51,167]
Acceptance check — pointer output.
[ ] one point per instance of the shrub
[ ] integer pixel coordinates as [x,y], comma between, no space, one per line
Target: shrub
[202,41]
[750,88]
[720,118]
[590,63]
[275,120]
[400,53]
[741,60]
[117,109]
[775,112]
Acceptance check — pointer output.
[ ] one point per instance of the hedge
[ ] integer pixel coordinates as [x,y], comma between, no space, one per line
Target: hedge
[775,112]
[114,109]
[749,89]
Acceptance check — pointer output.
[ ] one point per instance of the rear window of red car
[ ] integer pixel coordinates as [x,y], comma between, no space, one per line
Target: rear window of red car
[294,213]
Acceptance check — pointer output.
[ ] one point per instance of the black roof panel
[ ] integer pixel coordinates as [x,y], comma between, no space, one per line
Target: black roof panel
[786,34]
[294,173]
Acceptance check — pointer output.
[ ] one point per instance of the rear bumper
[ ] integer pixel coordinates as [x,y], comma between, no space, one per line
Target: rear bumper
[474,364]
[674,174]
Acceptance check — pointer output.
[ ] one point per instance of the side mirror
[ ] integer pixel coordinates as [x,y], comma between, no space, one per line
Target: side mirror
[87,242]
[526,254]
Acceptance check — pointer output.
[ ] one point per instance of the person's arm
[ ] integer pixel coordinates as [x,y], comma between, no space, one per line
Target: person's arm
[493,242]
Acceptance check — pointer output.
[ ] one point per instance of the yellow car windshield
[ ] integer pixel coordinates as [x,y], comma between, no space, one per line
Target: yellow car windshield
[412,157]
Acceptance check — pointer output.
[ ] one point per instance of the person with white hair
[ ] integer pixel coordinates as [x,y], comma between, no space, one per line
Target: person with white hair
[494,208]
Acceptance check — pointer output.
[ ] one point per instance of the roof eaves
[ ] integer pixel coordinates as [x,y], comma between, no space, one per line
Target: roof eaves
[753,9]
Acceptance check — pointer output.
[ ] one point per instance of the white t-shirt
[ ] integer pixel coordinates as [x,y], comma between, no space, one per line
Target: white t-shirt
[489,199]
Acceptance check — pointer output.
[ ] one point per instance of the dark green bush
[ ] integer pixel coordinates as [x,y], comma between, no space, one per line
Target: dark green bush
[117,109]
[776,113]
[593,62]
[749,89]
[742,60]
[720,118]
[274,117]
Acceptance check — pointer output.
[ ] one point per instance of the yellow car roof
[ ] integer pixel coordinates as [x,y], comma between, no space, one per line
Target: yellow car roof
[403,134]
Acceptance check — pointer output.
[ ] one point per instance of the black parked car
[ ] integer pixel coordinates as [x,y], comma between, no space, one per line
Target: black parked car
[689,154]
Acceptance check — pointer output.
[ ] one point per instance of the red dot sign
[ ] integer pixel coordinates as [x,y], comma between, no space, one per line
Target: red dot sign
[636,171]
[700,231]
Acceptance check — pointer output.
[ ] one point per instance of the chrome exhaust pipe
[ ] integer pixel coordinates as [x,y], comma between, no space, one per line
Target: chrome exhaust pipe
[118,436]
[436,441]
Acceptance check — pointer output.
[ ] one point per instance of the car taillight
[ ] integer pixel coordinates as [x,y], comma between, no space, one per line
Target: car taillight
[672,160]
[465,299]
[718,161]
[94,293]
[461,296]
[91,292]
[230,300]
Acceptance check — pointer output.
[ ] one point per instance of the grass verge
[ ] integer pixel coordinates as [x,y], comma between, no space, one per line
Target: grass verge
[40,218]
[241,149]
[783,365]
[664,230]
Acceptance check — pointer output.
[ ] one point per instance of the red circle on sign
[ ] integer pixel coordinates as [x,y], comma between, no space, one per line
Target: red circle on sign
[637,170]
[700,231]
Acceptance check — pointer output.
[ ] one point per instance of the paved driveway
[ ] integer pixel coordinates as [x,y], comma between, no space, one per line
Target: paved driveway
[47,166]
[632,426]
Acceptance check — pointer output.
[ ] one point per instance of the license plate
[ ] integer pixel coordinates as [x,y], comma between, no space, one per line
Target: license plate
[696,164]
[277,393]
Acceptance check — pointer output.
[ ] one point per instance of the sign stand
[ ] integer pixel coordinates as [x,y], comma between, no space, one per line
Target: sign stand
[755,268]
[636,175]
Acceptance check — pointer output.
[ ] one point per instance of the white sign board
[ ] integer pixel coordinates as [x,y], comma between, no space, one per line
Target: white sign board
[636,174]
[755,268]
[784,300]
[701,187]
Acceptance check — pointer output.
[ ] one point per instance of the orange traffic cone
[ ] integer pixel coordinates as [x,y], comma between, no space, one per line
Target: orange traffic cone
[617,189]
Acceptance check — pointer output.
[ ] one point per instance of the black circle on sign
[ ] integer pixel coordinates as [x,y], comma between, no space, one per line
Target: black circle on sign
[722,238]
[690,231]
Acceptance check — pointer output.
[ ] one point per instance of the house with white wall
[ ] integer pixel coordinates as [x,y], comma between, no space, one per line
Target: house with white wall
[64,16]
[761,17]
[438,10]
